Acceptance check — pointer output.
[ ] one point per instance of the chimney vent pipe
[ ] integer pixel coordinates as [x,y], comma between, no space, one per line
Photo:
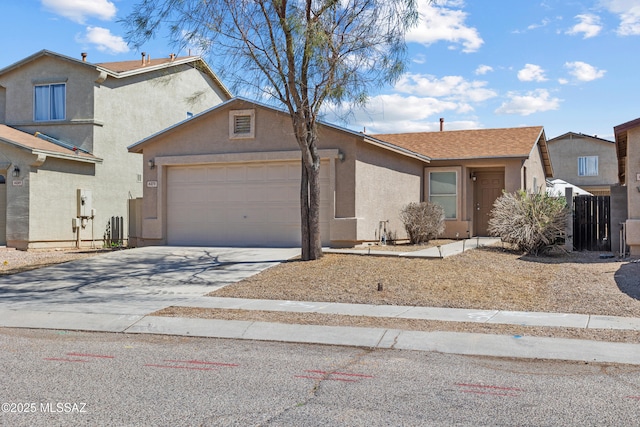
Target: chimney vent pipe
[441,124]
[143,55]
[84,56]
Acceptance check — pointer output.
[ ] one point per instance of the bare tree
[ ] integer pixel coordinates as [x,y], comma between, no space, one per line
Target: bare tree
[301,53]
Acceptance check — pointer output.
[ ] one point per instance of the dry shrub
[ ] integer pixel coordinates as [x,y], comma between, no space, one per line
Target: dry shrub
[422,221]
[535,223]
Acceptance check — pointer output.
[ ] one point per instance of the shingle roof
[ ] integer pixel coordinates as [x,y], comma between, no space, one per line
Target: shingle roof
[125,66]
[469,144]
[37,145]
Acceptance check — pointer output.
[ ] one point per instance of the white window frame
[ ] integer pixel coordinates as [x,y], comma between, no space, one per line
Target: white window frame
[456,195]
[232,124]
[588,166]
[49,104]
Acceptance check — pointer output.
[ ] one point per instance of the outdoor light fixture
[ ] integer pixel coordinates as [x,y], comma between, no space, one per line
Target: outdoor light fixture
[16,171]
[340,156]
[152,164]
[473,177]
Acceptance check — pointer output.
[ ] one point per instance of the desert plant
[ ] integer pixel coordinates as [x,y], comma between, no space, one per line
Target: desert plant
[422,221]
[534,223]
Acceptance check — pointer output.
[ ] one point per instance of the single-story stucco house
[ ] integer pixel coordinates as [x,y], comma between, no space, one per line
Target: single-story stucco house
[627,137]
[230,176]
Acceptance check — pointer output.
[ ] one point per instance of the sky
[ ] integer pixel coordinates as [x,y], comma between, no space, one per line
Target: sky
[570,66]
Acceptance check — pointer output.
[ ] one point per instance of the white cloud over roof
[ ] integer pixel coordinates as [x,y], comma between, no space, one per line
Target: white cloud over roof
[439,23]
[79,10]
[529,103]
[105,41]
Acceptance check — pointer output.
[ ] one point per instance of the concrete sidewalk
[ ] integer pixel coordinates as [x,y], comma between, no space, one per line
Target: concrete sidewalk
[378,338]
[442,251]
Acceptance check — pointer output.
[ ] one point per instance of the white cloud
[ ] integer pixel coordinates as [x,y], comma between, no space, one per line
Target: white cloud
[105,41]
[584,72]
[419,59]
[438,23]
[79,10]
[531,102]
[483,69]
[629,14]
[589,26]
[531,73]
[454,88]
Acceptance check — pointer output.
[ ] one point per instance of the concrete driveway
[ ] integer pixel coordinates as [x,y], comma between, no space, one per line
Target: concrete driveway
[135,281]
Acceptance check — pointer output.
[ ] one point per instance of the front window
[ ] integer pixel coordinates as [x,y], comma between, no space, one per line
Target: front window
[50,102]
[588,166]
[443,190]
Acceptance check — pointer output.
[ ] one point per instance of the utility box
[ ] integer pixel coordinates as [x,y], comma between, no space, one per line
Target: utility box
[84,203]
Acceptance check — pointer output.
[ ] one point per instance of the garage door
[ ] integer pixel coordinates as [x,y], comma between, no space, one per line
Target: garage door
[248,204]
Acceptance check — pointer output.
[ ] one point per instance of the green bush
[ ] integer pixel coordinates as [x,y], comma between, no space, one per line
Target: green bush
[422,221]
[534,223]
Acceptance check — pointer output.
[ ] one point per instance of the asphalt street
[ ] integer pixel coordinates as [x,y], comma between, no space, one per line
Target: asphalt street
[67,378]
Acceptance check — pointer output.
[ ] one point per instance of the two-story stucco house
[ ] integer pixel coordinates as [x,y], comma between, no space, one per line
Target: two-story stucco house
[65,125]
[586,161]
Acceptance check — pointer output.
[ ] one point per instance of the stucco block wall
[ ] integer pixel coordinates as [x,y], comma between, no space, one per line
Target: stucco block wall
[535,180]
[633,191]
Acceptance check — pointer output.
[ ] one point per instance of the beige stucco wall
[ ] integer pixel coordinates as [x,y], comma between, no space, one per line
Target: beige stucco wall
[534,179]
[385,183]
[564,155]
[512,168]
[206,139]
[633,191]
[104,118]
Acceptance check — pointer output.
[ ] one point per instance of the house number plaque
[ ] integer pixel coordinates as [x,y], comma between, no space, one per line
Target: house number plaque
[152,184]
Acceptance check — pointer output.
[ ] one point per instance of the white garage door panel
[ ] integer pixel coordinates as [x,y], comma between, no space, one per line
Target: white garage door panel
[239,204]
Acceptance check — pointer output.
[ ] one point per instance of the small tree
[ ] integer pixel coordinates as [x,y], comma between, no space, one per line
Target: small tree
[535,223]
[299,54]
[422,221]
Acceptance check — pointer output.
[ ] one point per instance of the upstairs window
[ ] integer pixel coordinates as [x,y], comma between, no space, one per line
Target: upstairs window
[588,166]
[50,102]
[242,124]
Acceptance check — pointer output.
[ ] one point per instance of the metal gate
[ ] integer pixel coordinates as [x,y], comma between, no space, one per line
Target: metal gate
[591,223]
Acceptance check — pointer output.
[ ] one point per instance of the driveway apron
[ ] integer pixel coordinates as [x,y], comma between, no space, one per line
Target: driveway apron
[135,281]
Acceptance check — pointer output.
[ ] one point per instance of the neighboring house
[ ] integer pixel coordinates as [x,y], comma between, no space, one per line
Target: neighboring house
[584,160]
[231,176]
[628,152]
[470,169]
[65,125]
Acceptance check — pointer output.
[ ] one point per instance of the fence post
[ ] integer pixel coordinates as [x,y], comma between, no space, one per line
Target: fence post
[568,231]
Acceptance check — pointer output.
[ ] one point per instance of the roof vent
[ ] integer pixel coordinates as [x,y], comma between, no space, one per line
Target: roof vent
[84,56]
[441,124]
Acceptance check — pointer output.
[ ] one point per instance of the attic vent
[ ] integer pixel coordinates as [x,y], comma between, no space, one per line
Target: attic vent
[242,124]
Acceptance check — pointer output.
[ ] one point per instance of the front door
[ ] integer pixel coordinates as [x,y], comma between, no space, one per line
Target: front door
[488,187]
